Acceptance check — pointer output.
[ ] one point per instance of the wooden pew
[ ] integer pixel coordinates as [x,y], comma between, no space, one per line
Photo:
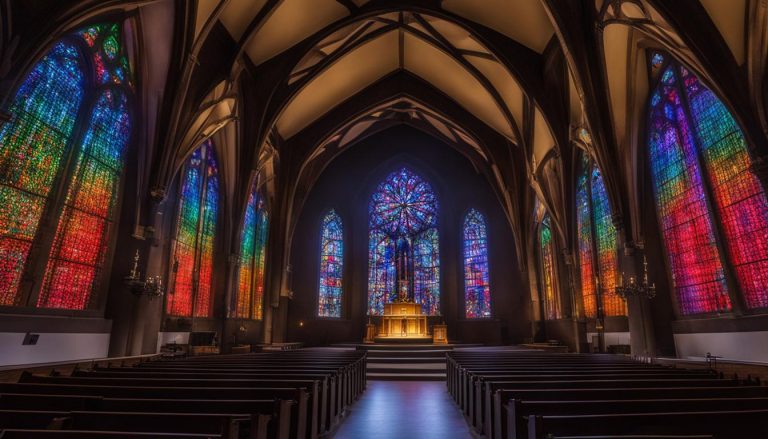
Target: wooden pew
[518,411]
[503,416]
[327,388]
[226,425]
[301,412]
[82,434]
[41,419]
[721,424]
[482,404]
[189,388]
[243,389]
[479,392]
[643,436]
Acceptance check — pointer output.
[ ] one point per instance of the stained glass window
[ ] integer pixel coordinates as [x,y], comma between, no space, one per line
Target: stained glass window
[252,254]
[586,263]
[260,258]
[403,251]
[192,262]
[700,166]
[549,288]
[56,137]
[477,290]
[607,248]
[598,245]
[331,266]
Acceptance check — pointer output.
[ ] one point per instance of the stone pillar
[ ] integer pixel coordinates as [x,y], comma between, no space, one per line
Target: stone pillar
[642,336]
[569,283]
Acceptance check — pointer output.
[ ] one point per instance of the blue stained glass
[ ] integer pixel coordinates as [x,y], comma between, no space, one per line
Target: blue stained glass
[477,290]
[331,266]
[403,229]
[427,271]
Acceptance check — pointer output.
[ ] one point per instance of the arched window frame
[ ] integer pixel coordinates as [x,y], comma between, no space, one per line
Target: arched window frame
[378,258]
[548,269]
[334,311]
[732,297]
[252,261]
[602,283]
[209,158]
[82,151]
[484,258]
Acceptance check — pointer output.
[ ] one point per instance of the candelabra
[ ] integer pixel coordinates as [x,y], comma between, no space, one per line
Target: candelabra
[635,288]
[151,287]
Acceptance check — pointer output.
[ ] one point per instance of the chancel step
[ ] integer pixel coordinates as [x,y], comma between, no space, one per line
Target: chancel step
[407,362]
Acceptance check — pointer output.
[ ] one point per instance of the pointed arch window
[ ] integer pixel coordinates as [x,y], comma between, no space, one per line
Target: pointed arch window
[549,285]
[69,130]
[477,288]
[253,248]
[330,291]
[403,250]
[598,245]
[193,247]
[712,210]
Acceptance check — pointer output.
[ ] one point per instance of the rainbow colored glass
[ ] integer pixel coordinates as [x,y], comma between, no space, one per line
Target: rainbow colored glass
[477,290]
[698,277]
[251,277]
[586,264]
[259,260]
[403,207]
[597,233]
[195,236]
[551,296]
[695,144]
[36,148]
[607,248]
[331,266]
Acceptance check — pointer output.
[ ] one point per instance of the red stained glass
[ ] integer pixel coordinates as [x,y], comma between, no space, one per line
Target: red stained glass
[195,236]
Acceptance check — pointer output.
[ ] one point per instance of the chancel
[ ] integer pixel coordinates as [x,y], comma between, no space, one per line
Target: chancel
[384,219]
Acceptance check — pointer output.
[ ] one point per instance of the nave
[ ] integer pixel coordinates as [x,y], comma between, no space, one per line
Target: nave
[404,409]
[229,217]
[490,392]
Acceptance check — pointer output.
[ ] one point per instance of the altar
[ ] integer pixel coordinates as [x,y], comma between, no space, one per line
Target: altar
[403,320]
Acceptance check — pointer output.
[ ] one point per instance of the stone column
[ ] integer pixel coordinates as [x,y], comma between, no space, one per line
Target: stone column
[642,336]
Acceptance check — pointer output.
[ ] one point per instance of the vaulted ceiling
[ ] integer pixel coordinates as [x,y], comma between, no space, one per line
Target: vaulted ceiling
[353,48]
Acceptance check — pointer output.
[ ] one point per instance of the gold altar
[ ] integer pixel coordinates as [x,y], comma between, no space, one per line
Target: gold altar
[402,320]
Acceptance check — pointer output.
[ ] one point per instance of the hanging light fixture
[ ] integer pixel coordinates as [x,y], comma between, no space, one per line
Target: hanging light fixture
[635,288]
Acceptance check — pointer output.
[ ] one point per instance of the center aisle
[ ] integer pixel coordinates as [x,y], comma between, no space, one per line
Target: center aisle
[404,409]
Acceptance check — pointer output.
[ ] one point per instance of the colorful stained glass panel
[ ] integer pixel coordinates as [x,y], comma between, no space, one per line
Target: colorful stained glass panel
[32,146]
[331,266]
[549,283]
[698,277]
[738,194]
[477,290]
[403,209]
[607,248]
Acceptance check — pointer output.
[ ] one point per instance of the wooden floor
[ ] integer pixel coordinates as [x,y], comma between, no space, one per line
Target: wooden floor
[404,409]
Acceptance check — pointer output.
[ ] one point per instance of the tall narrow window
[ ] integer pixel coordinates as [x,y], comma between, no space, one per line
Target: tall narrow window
[606,244]
[586,263]
[598,245]
[477,289]
[331,266]
[549,289]
[707,197]
[195,234]
[70,126]
[403,251]
[250,295]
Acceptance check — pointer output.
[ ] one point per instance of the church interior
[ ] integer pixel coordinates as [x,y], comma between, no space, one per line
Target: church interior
[383,219]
